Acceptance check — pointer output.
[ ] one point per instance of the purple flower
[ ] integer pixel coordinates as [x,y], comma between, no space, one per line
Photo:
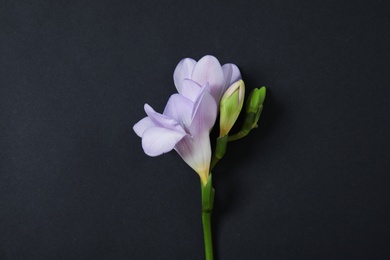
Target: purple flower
[189,116]
[184,126]
[190,76]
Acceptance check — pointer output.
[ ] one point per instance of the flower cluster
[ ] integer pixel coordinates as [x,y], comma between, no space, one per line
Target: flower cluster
[189,114]
[204,88]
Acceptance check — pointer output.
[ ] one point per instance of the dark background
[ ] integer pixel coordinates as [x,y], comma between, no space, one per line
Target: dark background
[312,182]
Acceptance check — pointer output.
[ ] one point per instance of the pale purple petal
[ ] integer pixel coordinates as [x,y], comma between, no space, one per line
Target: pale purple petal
[204,113]
[209,70]
[190,89]
[162,120]
[142,125]
[183,71]
[180,109]
[195,148]
[158,140]
[232,74]
[196,152]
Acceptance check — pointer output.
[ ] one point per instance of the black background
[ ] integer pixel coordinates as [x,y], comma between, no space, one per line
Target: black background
[312,182]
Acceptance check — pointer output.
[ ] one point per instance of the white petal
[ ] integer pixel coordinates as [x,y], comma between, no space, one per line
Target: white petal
[183,71]
[158,140]
[142,125]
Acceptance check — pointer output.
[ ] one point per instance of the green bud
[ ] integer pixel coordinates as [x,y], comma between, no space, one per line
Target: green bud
[255,100]
[230,106]
[255,106]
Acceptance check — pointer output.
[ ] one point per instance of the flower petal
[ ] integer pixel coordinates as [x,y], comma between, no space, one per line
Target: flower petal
[183,71]
[209,70]
[158,140]
[196,152]
[204,113]
[190,89]
[142,125]
[162,120]
[180,109]
[195,149]
[232,74]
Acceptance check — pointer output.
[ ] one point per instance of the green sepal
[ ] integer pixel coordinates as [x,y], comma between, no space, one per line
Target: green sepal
[207,195]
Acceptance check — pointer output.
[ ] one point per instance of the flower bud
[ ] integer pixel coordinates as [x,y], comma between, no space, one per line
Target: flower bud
[230,106]
[254,106]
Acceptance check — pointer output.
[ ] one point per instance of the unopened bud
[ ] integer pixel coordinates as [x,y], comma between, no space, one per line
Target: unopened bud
[230,106]
[254,107]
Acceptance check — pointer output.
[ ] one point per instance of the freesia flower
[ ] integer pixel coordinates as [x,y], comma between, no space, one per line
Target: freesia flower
[184,126]
[190,75]
[204,89]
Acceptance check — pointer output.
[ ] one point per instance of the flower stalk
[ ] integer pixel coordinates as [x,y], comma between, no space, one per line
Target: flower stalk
[220,150]
[207,208]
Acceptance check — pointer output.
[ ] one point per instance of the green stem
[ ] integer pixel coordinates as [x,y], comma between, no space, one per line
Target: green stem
[250,123]
[208,242]
[220,150]
[239,135]
[207,208]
